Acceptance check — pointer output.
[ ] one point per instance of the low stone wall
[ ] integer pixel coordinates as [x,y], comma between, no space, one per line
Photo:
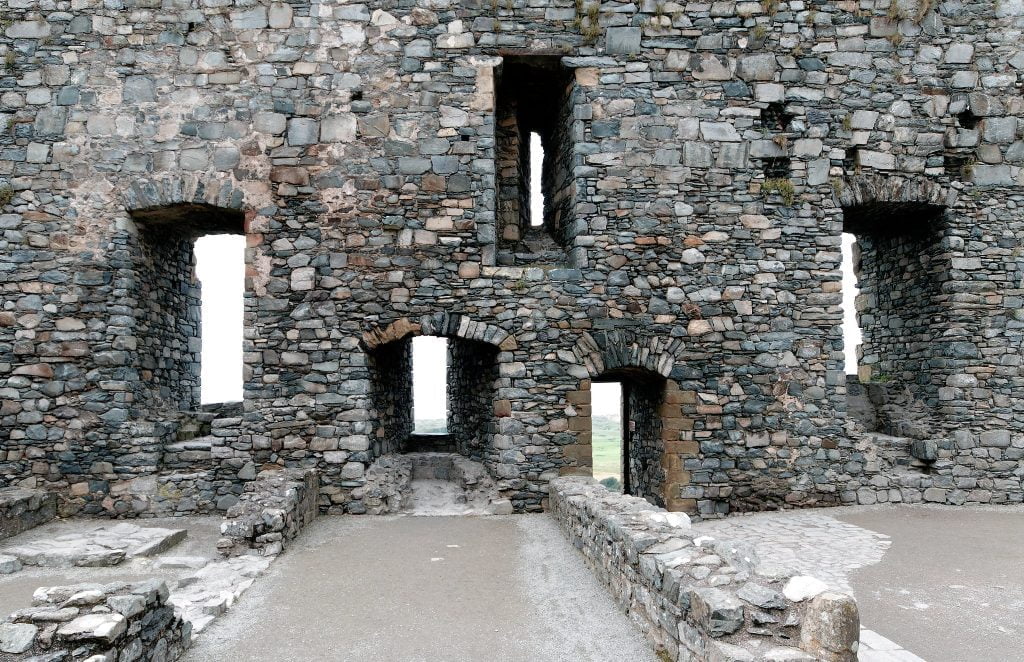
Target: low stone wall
[272,510]
[22,509]
[96,622]
[696,598]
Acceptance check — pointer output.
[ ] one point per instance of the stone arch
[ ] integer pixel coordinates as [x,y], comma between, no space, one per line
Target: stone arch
[652,411]
[143,195]
[169,214]
[619,349]
[452,325]
[472,381]
[870,189]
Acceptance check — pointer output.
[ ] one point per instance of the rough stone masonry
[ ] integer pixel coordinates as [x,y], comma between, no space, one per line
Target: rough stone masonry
[701,160]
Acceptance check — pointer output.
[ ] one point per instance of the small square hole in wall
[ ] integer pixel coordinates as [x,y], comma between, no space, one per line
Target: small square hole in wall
[967,120]
[775,117]
[777,168]
[955,164]
[357,95]
[850,160]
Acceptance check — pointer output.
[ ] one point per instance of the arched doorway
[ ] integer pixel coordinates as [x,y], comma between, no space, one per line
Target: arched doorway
[641,446]
[471,378]
[655,436]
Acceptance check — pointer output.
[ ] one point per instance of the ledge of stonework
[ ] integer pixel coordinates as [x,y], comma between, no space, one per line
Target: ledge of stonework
[696,597]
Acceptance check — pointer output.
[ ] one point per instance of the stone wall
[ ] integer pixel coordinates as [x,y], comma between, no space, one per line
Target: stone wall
[169,297]
[472,375]
[697,598]
[391,392]
[21,510]
[270,513]
[95,621]
[355,146]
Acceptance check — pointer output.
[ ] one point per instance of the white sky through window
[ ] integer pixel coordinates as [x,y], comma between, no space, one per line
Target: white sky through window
[429,378]
[220,268]
[536,192]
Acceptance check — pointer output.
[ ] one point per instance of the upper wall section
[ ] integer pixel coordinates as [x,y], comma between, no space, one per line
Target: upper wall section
[383,112]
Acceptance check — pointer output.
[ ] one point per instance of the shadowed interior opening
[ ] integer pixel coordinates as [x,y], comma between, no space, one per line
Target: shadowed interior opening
[534,114]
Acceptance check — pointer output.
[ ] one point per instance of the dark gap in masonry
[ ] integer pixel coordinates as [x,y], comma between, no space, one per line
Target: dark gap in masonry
[534,95]
[775,117]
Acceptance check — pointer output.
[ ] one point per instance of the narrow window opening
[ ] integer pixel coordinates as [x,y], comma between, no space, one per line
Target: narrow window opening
[608,441]
[851,327]
[430,385]
[894,250]
[775,117]
[536,188]
[956,165]
[534,134]
[851,160]
[220,269]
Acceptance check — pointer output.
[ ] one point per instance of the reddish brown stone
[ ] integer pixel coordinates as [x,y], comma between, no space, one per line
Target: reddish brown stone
[36,370]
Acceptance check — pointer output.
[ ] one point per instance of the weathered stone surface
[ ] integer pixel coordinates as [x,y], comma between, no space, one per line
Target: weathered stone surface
[101,627]
[374,159]
[831,627]
[686,589]
[131,621]
[16,637]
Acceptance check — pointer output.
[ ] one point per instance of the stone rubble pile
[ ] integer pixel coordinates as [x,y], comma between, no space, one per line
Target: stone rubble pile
[698,598]
[107,545]
[22,509]
[430,483]
[96,623]
[271,512]
[387,488]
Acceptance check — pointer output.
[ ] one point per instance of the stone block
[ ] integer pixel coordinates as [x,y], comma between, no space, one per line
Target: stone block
[831,627]
[303,131]
[622,40]
[716,612]
[270,122]
[280,15]
[992,175]
[17,637]
[338,128]
[94,627]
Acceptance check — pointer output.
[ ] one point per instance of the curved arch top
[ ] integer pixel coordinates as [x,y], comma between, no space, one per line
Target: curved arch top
[871,189]
[605,351]
[446,324]
[184,189]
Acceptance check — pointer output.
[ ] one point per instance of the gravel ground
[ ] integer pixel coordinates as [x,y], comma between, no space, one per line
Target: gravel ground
[951,587]
[443,589]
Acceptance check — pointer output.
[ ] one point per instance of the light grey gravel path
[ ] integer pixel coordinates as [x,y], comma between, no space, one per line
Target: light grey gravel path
[946,583]
[951,587]
[443,589]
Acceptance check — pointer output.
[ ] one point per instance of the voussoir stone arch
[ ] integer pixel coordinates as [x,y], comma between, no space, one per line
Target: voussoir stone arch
[601,352]
[184,189]
[450,325]
[858,190]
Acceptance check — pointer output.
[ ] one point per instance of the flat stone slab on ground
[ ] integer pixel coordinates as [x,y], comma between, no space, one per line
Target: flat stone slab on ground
[103,545]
